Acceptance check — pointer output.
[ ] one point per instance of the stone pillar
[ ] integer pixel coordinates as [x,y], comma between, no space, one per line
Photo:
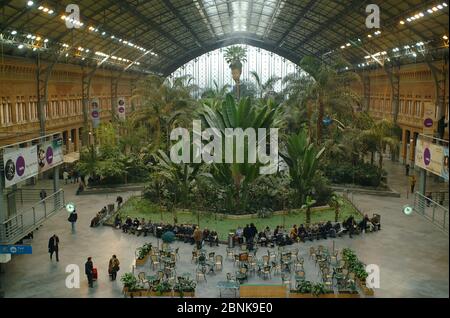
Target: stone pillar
[404,145]
[56,198]
[412,147]
[75,140]
[422,181]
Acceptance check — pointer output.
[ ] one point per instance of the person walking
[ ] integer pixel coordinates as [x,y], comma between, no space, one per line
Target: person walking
[73,217]
[113,267]
[88,269]
[198,237]
[65,176]
[407,169]
[42,194]
[53,246]
[412,182]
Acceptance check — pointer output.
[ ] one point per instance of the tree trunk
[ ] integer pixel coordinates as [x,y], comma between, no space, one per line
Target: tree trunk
[308,215]
[372,157]
[336,215]
[319,121]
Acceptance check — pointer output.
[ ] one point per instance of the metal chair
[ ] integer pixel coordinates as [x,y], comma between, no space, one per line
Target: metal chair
[230,253]
[154,261]
[201,273]
[219,262]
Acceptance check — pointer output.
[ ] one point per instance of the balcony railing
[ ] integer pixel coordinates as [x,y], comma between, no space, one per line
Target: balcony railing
[432,211]
[26,221]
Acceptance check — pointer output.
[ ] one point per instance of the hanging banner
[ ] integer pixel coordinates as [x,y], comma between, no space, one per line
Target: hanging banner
[95,112]
[432,157]
[121,107]
[20,164]
[429,118]
[50,154]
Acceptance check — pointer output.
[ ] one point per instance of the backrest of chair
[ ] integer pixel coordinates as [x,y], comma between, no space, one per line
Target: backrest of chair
[141,276]
[265,258]
[211,255]
[229,277]
[219,258]
[160,274]
[154,258]
[312,250]
[267,268]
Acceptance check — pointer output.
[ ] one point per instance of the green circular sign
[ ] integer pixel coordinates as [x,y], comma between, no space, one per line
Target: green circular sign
[407,210]
[70,207]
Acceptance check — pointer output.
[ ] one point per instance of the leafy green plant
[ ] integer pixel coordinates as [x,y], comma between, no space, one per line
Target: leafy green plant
[129,281]
[319,289]
[143,251]
[162,287]
[184,285]
[304,287]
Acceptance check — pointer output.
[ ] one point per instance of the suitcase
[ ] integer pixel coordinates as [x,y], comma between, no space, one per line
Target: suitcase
[94,274]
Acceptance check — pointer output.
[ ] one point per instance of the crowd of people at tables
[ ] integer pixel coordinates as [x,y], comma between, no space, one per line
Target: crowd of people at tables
[190,233]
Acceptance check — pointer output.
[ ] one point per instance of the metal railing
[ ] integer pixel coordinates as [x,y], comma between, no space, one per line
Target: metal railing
[432,211]
[23,223]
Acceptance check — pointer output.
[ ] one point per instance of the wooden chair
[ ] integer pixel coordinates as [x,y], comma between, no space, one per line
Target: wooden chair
[266,259]
[201,273]
[143,279]
[155,261]
[230,253]
[219,262]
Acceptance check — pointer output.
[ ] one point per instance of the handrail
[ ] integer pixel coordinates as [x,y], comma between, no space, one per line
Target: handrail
[21,224]
[437,214]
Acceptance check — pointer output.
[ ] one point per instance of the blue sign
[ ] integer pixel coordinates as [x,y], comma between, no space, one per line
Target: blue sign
[16,249]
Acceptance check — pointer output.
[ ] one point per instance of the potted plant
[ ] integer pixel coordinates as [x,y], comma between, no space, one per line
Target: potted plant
[142,254]
[185,288]
[304,290]
[130,285]
[349,291]
[163,288]
[235,56]
[320,290]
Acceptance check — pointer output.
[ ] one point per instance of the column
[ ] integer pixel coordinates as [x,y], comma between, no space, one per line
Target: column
[57,197]
[75,140]
[404,144]
[412,147]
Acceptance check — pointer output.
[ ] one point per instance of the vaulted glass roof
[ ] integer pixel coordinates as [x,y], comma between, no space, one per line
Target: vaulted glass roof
[161,35]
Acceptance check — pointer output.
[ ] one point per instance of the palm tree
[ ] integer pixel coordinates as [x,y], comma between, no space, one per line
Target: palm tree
[309,202]
[380,136]
[237,177]
[235,56]
[163,100]
[336,202]
[302,158]
[267,87]
[329,91]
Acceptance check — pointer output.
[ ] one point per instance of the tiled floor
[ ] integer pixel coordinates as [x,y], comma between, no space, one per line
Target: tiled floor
[413,256]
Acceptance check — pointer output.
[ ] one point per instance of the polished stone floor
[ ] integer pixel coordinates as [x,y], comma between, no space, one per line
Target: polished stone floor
[413,256]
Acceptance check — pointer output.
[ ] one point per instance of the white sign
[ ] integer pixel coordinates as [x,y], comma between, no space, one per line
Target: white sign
[95,112]
[429,116]
[121,107]
[20,164]
[50,154]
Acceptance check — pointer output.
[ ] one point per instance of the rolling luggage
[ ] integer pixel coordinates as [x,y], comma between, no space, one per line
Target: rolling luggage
[94,274]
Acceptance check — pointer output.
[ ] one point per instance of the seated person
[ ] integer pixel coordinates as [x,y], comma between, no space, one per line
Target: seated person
[128,224]
[293,234]
[213,238]
[301,233]
[262,239]
[350,226]
[117,221]
[141,227]
[205,234]
[96,220]
[338,229]
[376,222]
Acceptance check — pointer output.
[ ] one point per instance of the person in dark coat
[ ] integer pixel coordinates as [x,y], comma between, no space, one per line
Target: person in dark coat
[73,217]
[88,269]
[42,194]
[53,246]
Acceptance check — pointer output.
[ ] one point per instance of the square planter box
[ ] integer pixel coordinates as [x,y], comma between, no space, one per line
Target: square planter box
[366,290]
[348,295]
[141,262]
[134,293]
[299,295]
[185,294]
[156,294]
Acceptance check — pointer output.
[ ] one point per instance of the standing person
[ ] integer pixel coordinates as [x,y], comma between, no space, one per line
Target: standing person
[198,237]
[119,201]
[73,217]
[43,194]
[65,176]
[407,169]
[429,198]
[113,267]
[53,246]
[412,182]
[88,269]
